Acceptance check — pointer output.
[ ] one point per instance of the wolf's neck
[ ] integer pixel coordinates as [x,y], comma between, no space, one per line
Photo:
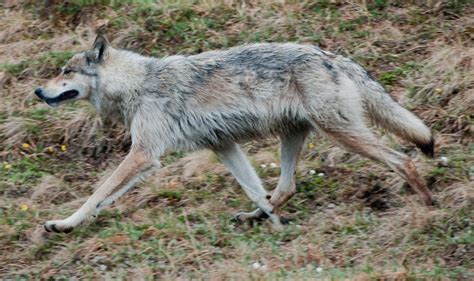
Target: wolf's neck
[119,109]
[119,84]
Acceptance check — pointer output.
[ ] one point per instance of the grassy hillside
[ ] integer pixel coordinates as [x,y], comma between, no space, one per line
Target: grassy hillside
[351,218]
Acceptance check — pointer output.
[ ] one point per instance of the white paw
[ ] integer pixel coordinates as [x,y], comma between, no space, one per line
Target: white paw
[256,215]
[58,226]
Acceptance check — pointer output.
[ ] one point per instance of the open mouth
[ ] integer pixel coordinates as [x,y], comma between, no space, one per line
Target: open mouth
[62,97]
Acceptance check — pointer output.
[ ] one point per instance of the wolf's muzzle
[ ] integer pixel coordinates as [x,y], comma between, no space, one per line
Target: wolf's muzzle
[62,97]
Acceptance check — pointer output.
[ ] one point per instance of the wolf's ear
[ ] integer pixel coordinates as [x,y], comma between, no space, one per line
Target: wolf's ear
[99,49]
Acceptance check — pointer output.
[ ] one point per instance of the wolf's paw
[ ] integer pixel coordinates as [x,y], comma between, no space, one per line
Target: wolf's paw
[256,215]
[58,226]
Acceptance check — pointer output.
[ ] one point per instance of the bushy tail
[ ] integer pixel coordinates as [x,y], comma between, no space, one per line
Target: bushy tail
[388,114]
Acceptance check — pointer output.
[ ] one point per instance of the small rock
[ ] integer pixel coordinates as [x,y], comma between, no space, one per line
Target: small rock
[331,206]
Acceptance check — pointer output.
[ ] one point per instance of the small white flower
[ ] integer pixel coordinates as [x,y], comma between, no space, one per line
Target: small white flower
[312,172]
[444,160]
[319,270]
[256,265]
[273,165]
[102,267]
[321,175]
[263,166]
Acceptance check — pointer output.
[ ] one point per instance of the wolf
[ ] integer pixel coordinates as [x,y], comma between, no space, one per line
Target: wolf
[218,99]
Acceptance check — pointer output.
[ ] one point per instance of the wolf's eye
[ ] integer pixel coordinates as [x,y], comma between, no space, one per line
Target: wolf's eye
[67,71]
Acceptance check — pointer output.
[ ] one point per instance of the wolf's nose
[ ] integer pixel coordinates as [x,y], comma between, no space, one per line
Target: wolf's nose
[39,93]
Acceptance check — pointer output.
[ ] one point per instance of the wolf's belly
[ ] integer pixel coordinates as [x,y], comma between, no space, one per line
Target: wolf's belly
[219,130]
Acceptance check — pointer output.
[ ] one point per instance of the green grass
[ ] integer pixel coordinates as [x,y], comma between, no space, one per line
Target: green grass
[13,69]
[51,61]
[25,170]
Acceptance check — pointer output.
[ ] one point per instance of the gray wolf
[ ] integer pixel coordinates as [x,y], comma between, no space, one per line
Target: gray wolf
[217,99]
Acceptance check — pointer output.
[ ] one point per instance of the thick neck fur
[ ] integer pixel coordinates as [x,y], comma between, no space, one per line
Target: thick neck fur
[118,83]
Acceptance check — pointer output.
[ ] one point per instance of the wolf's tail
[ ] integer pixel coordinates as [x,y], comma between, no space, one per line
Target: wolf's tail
[388,114]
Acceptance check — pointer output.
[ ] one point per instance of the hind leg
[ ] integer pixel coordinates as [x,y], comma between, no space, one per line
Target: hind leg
[403,165]
[358,138]
[291,146]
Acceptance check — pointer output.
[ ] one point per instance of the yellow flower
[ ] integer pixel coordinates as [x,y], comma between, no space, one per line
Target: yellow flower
[23,207]
[438,90]
[310,145]
[7,166]
[50,149]
[63,147]
[25,146]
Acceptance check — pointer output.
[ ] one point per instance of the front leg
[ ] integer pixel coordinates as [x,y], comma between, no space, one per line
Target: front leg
[135,164]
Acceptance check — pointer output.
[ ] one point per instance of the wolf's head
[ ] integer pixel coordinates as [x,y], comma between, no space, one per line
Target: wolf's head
[77,77]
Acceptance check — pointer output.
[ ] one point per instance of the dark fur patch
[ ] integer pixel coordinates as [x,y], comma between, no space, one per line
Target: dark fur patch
[46,228]
[427,148]
[330,68]
[55,229]
[68,230]
[328,65]
[263,216]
